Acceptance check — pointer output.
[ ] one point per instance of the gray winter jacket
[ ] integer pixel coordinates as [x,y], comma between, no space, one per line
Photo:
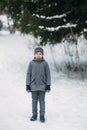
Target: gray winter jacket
[38,75]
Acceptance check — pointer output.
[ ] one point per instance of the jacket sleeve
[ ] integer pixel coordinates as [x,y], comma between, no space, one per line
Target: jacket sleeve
[28,75]
[48,76]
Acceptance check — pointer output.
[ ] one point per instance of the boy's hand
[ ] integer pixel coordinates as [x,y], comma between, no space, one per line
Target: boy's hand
[47,89]
[28,88]
[28,91]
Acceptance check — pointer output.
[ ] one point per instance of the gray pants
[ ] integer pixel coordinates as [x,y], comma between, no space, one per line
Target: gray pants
[38,96]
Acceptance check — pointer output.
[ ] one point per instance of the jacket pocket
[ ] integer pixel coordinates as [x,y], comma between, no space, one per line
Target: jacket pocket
[32,80]
[43,80]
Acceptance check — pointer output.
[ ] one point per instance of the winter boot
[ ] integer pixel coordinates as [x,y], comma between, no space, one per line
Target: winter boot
[34,118]
[42,119]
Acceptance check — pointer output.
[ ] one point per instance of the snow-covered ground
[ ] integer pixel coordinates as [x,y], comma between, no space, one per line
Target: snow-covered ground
[66,104]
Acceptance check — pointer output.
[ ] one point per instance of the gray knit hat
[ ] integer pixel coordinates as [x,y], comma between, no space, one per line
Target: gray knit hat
[38,49]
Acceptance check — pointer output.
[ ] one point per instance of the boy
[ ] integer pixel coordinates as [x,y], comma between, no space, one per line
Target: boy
[38,82]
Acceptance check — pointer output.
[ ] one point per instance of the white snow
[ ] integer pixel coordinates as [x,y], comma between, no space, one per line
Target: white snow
[4,20]
[6,23]
[50,17]
[85,30]
[58,27]
[66,104]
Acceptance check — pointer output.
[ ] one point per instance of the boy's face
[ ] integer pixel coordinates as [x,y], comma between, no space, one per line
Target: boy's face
[38,55]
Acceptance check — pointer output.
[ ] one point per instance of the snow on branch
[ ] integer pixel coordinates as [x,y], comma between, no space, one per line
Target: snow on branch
[52,17]
[85,30]
[57,28]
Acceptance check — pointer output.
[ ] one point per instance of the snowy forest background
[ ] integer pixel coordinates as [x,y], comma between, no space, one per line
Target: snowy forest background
[60,28]
[52,22]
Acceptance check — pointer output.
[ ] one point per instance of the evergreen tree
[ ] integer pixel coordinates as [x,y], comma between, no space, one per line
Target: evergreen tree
[47,18]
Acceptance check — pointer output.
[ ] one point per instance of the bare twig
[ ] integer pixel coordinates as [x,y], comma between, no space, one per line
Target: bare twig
[77,53]
[55,64]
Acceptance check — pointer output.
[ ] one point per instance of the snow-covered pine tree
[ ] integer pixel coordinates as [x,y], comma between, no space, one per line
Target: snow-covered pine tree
[48,19]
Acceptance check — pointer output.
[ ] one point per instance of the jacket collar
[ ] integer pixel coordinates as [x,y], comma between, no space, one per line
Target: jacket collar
[38,60]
